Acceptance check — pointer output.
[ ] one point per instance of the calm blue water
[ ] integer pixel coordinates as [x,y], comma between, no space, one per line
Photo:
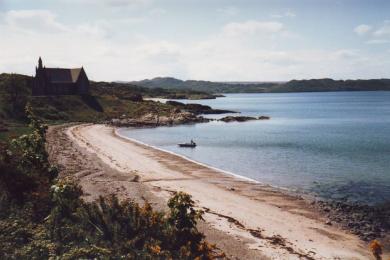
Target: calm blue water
[332,145]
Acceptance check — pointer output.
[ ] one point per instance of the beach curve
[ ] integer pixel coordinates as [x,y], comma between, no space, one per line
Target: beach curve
[277,225]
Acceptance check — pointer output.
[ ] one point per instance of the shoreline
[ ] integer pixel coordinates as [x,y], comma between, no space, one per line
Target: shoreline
[189,159]
[347,215]
[336,211]
[276,224]
[284,190]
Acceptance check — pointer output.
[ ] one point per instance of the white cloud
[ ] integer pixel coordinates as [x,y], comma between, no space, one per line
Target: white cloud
[230,53]
[117,4]
[362,29]
[235,63]
[287,14]
[229,10]
[377,41]
[132,3]
[157,11]
[34,21]
[252,28]
[384,30]
[379,35]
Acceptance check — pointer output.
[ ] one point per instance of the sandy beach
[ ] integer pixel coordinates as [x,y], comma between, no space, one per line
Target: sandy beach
[247,220]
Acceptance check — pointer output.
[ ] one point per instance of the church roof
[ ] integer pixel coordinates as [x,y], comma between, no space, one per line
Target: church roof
[58,75]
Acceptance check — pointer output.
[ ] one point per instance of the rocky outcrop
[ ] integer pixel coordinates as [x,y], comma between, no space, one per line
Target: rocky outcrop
[192,96]
[175,118]
[228,119]
[368,222]
[198,108]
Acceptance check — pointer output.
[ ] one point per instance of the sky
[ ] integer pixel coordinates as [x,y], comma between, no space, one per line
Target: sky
[218,40]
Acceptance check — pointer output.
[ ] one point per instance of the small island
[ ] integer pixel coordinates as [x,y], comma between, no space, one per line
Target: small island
[228,119]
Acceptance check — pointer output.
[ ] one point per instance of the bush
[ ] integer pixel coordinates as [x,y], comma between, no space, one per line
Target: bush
[41,217]
[14,92]
[376,249]
[117,229]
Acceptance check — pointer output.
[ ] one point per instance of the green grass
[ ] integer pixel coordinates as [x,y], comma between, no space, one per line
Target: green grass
[77,109]
[107,101]
[14,130]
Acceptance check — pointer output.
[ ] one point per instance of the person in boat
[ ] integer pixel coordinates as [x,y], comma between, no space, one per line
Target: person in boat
[192,142]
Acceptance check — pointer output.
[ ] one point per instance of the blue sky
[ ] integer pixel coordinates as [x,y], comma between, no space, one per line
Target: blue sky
[217,40]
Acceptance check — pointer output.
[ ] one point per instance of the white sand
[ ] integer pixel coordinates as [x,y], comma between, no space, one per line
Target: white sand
[235,206]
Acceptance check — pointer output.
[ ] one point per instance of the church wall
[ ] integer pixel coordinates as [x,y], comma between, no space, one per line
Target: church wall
[83,84]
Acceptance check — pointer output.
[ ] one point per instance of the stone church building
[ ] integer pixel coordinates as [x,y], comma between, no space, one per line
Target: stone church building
[59,81]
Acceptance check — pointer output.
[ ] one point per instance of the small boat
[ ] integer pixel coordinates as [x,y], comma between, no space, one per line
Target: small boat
[192,144]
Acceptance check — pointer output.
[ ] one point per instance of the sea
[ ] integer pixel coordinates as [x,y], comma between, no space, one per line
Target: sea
[329,145]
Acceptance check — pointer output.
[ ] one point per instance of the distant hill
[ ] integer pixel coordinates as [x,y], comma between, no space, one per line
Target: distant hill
[202,85]
[324,85]
[312,85]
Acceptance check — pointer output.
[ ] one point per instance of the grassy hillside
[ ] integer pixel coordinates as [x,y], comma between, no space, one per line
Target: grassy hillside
[313,85]
[131,92]
[107,101]
[91,108]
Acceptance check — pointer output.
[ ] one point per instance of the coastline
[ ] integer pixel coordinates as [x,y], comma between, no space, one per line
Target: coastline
[275,224]
[189,159]
[346,215]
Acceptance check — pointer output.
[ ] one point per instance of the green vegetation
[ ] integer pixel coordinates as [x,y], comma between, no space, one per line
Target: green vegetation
[42,217]
[15,90]
[204,86]
[324,85]
[92,109]
[14,93]
[376,249]
[12,130]
[107,101]
[313,85]
[133,92]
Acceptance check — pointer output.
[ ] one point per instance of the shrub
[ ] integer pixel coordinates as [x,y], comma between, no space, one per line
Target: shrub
[41,217]
[376,249]
[117,229]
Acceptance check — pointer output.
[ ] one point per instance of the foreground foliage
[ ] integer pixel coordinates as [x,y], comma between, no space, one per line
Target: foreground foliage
[42,217]
[376,249]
